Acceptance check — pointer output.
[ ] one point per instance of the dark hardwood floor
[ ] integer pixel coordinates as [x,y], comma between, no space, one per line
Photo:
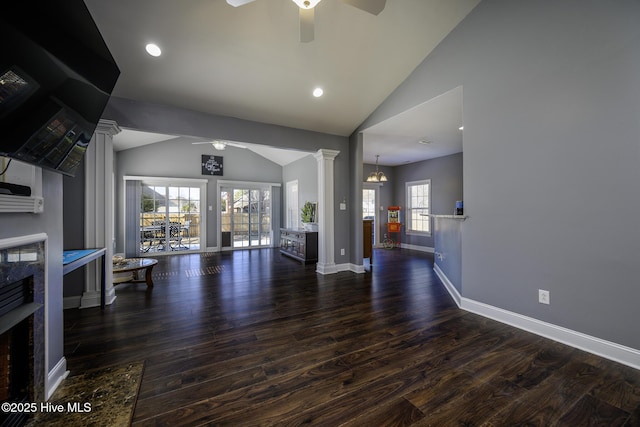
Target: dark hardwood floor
[253,338]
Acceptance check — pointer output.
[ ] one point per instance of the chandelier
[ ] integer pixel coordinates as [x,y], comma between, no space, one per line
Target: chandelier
[377,176]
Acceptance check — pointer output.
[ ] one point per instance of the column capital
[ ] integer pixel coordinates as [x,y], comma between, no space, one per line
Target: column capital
[325,154]
[108,127]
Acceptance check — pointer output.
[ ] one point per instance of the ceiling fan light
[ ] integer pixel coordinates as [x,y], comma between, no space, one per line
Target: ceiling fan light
[306,4]
[218,145]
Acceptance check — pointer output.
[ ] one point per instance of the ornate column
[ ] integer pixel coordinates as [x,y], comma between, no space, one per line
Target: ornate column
[326,241]
[98,210]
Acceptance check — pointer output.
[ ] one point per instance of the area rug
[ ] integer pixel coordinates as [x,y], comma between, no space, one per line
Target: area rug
[102,397]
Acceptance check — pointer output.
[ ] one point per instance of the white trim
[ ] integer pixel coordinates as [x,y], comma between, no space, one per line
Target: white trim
[252,184]
[354,268]
[327,268]
[603,348]
[10,242]
[163,180]
[427,249]
[55,377]
[457,298]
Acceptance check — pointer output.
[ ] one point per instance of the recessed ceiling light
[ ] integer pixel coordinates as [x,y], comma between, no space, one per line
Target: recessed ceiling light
[424,141]
[306,4]
[461,128]
[317,92]
[153,49]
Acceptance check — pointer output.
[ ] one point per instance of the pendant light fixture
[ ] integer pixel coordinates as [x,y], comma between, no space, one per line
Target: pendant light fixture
[377,176]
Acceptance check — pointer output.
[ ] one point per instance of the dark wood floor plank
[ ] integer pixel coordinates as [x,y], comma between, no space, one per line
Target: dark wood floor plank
[254,338]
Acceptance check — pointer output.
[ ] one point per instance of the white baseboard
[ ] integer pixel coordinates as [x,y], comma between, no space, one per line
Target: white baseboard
[55,377]
[326,268]
[354,268]
[447,284]
[603,348]
[417,248]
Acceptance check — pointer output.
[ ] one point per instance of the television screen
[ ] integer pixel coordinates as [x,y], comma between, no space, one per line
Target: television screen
[56,76]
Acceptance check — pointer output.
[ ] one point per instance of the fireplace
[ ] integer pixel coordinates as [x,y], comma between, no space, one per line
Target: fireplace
[22,285]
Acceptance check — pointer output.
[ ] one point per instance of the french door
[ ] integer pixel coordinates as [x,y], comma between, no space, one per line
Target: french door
[169,218]
[245,217]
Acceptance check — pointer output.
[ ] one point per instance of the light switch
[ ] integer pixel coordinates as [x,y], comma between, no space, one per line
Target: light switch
[343,206]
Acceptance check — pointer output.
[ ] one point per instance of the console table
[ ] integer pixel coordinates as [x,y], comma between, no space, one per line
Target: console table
[299,244]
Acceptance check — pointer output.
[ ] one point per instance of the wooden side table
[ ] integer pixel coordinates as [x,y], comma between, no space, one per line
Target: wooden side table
[134,266]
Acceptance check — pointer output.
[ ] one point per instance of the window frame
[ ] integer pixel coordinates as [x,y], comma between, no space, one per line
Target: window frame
[409,209]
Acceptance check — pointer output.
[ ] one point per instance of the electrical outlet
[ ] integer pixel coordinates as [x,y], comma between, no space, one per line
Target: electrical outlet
[342,251]
[543,296]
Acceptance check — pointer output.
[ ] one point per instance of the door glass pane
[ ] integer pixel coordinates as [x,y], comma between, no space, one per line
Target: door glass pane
[369,208]
[241,218]
[265,218]
[245,217]
[169,218]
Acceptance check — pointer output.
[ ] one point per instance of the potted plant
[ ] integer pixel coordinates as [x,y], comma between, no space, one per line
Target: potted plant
[308,216]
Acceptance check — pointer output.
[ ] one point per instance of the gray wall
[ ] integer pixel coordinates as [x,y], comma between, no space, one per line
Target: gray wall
[49,222]
[179,158]
[73,228]
[447,238]
[551,118]
[305,171]
[445,174]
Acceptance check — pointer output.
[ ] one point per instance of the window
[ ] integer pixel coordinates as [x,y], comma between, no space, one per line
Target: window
[291,200]
[418,219]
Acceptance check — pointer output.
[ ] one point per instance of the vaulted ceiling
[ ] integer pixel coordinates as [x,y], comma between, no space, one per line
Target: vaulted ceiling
[248,61]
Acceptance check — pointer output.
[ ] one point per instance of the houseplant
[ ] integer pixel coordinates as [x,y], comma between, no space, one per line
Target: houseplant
[308,216]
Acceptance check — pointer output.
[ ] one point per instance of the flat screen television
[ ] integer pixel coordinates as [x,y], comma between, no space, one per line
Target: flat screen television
[56,77]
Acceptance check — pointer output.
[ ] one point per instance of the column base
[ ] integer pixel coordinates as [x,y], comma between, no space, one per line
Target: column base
[326,268]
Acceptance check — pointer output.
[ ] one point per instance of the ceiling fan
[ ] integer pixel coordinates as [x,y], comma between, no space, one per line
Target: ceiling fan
[307,12]
[220,145]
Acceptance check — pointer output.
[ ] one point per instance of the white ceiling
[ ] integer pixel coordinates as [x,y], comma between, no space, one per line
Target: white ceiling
[248,62]
[130,138]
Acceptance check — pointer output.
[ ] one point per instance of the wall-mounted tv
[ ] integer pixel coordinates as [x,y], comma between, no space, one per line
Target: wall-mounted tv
[56,76]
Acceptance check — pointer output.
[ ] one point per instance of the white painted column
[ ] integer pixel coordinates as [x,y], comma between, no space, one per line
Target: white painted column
[326,229]
[98,210]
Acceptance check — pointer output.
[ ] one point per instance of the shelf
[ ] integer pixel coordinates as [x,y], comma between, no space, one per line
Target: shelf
[458,217]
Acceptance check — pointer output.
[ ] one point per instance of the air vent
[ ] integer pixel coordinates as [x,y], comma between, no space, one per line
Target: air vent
[9,203]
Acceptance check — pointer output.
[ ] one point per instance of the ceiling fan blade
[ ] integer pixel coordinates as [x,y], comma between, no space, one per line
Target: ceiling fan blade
[372,6]
[235,144]
[306,25]
[236,3]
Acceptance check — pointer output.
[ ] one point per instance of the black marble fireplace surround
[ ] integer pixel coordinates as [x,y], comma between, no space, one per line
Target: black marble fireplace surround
[22,285]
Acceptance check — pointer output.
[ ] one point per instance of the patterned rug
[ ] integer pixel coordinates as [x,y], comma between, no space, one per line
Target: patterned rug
[102,397]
